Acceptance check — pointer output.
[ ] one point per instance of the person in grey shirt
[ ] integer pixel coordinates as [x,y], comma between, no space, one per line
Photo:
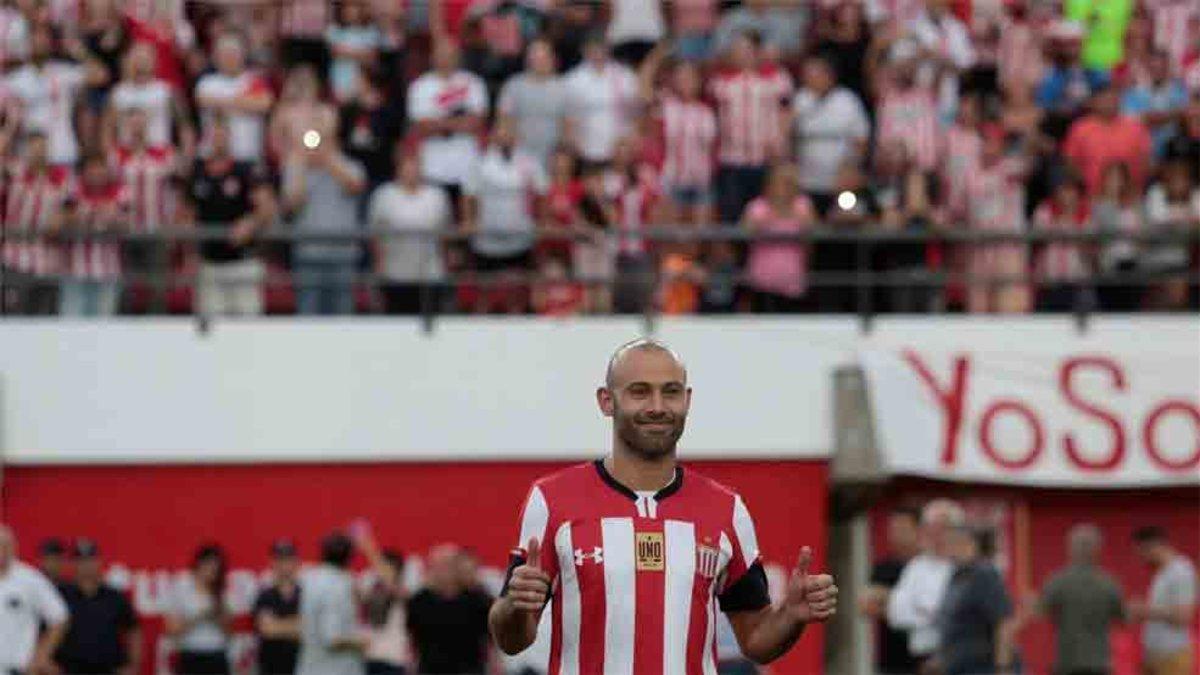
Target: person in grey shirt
[321,189]
[1083,602]
[1170,608]
[330,640]
[536,101]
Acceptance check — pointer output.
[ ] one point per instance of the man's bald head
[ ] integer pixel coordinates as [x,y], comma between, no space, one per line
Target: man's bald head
[639,345]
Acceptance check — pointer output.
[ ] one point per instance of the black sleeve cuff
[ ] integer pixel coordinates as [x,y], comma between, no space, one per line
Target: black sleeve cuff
[515,560]
[748,594]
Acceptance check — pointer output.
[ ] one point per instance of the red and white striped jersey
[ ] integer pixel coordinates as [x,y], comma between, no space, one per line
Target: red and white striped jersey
[750,109]
[1020,53]
[31,199]
[909,117]
[1172,20]
[96,211]
[1191,73]
[689,130]
[638,578]
[1060,261]
[155,98]
[146,176]
[961,160]
[996,196]
[636,199]
[304,18]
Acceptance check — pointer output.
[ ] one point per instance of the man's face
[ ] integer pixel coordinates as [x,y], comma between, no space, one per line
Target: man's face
[230,56]
[1145,551]
[41,43]
[87,569]
[285,568]
[648,401]
[1107,103]
[142,61]
[52,564]
[743,52]
[445,57]
[902,532]
[960,545]
[35,150]
[540,59]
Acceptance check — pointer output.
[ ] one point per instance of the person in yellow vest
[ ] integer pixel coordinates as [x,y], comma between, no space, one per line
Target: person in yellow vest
[1105,22]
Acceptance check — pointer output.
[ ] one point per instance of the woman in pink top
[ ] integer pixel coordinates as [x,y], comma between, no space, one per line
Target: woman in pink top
[777,271]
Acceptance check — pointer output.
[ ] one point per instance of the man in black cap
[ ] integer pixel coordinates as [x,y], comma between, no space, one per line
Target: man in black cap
[52,555]
[103,635]
[277,613]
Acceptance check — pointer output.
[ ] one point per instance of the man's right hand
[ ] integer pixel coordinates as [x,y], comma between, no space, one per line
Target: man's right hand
[529,586]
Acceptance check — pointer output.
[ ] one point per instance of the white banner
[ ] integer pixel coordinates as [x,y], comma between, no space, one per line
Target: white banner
[1041,409]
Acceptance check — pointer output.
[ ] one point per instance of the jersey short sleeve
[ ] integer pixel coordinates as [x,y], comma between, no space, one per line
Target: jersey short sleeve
[49,603]
[745,587]
[535,524]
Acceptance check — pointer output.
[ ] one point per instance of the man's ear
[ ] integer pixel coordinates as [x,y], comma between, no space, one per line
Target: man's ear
[604,399]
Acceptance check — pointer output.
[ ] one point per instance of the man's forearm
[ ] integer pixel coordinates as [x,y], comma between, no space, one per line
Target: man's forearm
[51,639]
[512,630]
[774,635]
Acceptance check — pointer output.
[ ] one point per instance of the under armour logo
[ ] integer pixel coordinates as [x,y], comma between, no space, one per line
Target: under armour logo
[596,556]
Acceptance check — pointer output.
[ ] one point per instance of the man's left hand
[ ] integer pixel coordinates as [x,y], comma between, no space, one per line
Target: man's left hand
[810,597]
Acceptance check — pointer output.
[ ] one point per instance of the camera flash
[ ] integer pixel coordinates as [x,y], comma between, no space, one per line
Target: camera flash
[847,200]
[312,139]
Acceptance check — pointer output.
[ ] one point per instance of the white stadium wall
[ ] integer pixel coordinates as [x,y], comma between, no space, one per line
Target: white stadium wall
[369,390]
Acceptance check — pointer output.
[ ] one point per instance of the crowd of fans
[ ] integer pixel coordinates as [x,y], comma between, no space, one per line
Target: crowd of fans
[307,618]
[512,156]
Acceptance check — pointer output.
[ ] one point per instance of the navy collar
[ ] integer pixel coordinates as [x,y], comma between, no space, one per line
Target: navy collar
[671,488]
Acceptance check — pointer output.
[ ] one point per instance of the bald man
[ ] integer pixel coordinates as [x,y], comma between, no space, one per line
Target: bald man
[916,599]
[635,545]
[448,617]
[27,600]
[1083,602]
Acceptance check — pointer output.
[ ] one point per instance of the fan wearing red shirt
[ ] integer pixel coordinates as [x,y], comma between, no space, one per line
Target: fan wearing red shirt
[34,192]
[638,552]
[1106,136]
[1061,266]
[97,208]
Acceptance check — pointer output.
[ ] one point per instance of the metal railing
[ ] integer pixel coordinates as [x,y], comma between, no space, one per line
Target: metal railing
[864,281]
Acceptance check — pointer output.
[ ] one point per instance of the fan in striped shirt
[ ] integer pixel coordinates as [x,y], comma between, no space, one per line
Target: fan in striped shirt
[639,553]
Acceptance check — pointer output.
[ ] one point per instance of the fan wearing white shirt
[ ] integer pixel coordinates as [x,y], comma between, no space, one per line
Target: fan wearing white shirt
[447,106]
[917,596]
[410,216]
[602,96]
[244,97]
[48,90]
[139,89]
[27,600]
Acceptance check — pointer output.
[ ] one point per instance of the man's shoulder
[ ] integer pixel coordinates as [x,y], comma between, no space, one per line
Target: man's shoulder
[568,480]
[713,488]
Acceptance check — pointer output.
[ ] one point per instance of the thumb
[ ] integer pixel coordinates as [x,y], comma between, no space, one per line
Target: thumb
[533,553]
[804,561]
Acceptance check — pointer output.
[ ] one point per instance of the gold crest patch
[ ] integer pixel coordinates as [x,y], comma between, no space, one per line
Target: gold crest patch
[650,552]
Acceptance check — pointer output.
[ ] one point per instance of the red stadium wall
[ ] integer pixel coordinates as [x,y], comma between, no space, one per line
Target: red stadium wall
[152,517]
[1039,520]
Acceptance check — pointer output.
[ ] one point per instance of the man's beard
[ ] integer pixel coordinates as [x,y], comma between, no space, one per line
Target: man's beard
[650,444]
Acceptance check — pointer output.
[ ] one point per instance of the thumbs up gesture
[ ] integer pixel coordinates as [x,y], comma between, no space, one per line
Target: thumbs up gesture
[810,597]
[529,586]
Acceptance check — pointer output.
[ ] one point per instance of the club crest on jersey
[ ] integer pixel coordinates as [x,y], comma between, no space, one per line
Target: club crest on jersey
[596,556]
[649,551]
[708,561]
